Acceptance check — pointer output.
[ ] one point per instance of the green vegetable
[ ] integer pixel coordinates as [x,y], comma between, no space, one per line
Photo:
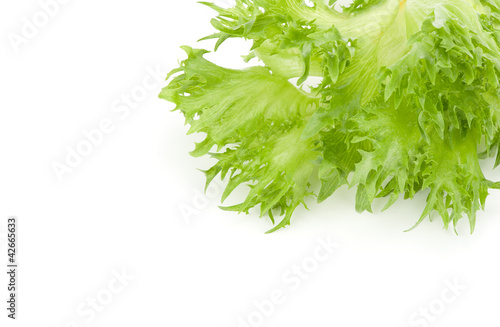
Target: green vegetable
[409,101]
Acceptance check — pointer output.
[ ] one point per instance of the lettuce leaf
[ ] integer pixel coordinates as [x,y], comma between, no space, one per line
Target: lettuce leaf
[409,101]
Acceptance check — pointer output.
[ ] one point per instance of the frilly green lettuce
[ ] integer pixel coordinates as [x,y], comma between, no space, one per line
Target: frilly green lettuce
[408,101]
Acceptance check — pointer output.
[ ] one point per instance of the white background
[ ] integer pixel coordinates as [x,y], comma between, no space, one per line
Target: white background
[119,209]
